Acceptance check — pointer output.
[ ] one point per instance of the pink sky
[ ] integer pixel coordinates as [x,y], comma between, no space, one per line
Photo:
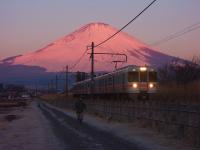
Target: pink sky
[30,25]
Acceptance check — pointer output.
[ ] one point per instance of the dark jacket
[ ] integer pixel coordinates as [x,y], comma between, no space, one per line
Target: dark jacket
[80,106]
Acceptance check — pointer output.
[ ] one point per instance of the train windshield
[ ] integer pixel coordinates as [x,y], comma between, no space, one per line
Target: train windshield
[143,76]
[152,76]
[133,76]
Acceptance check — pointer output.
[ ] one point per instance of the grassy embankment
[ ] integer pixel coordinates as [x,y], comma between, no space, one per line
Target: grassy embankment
[180,93]
[60,100]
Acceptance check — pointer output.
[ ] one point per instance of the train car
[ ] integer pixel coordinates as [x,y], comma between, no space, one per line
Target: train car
[127,81]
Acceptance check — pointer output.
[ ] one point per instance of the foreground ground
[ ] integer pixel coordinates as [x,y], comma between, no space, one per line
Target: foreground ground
[41,126]
[30,130]
[83,136]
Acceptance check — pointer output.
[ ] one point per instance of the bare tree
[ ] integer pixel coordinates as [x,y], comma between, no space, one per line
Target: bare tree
[182,73]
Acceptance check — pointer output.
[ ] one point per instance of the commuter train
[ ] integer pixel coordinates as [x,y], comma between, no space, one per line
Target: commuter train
[127,81]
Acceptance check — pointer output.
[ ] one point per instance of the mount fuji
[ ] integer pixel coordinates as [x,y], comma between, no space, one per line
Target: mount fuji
[66,51]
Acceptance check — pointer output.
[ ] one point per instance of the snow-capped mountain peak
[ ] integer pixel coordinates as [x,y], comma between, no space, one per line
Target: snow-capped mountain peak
[66,50]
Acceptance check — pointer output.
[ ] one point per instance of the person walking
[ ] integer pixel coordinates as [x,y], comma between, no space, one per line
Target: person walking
[80,106]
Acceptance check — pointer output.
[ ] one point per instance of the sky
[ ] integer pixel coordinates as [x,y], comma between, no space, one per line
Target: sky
[28,25]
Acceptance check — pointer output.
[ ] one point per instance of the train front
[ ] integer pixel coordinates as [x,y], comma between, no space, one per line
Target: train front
[142,81]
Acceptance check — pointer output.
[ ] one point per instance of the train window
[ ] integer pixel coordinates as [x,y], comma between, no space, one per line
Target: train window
[116,79]
[143,76]
[123,78]
[133,76]
[110,81]
[152,76]
[120,79]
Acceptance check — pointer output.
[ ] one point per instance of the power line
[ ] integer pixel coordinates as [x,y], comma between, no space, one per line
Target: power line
[186,28]
[78,61]
[80,58]
[178,34]
[126,24]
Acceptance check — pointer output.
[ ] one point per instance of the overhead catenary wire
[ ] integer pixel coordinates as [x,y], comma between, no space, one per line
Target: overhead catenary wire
[78,60]
[178,34]
[126,24]
[88,47]
[81,57]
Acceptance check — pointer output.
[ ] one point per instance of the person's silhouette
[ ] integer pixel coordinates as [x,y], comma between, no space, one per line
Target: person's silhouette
[80,106]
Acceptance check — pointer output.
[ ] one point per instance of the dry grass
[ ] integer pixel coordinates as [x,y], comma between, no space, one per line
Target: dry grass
[2,124]
[51,97]
[57,99]
[186,93]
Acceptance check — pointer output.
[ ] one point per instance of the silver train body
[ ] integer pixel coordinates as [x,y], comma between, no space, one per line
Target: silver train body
[130,80]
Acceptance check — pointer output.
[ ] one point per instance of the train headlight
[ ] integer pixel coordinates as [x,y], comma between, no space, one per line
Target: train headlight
[151,85]
[135,85]
[143,68]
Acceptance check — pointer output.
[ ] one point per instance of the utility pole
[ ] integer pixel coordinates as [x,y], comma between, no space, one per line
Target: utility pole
[36,88]
[66,80]
[48,88]
[118,61]
[56,83]
[52,86]
[92,69]
[113,54]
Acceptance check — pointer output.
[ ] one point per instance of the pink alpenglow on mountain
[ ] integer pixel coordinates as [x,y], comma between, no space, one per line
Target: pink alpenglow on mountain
[68,49]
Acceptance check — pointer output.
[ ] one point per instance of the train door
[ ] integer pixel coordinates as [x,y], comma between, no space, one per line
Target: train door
[143,73]
[113,85]
[123,82]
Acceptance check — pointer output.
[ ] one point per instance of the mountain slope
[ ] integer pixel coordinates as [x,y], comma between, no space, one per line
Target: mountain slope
[68,49]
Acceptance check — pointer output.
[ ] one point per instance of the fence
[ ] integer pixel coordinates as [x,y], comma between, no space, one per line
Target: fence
[178,120]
